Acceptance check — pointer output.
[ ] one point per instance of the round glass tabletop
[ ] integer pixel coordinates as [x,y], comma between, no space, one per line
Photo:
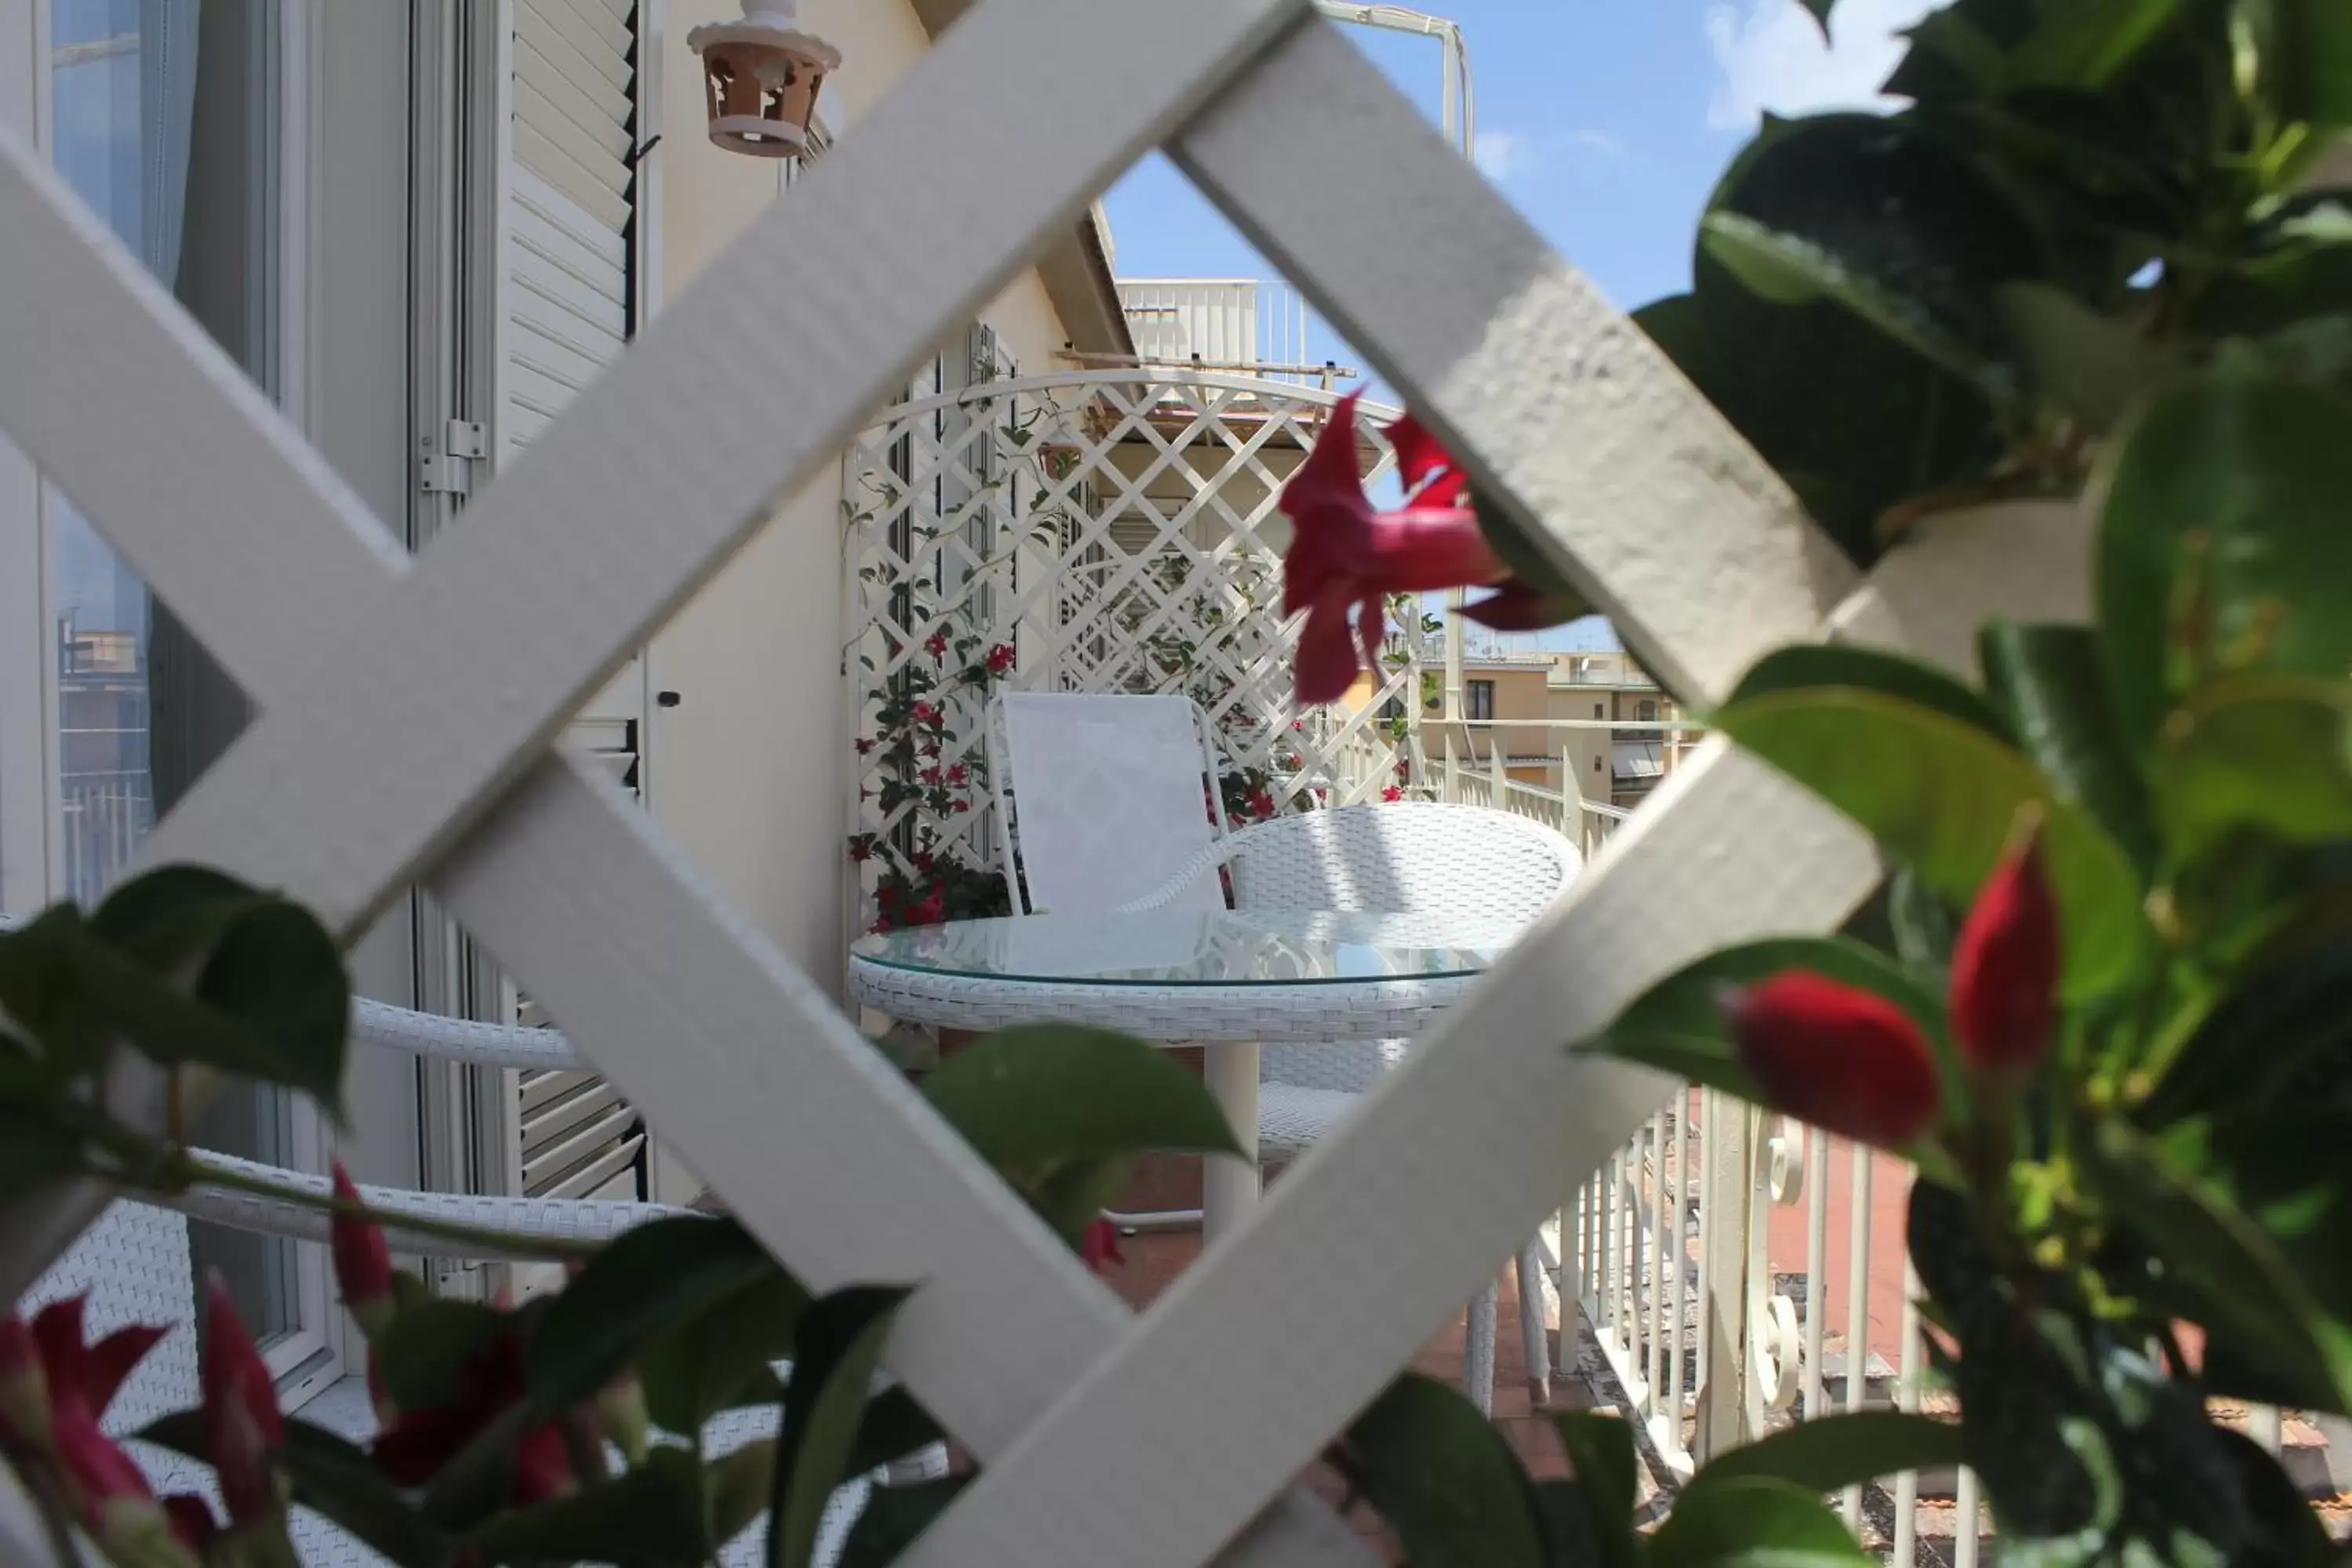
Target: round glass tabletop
[1189,947]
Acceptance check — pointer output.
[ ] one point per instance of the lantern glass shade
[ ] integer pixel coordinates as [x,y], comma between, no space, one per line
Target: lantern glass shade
[760,82]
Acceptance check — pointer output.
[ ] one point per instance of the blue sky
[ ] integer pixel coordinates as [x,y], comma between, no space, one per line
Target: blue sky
[1605,122]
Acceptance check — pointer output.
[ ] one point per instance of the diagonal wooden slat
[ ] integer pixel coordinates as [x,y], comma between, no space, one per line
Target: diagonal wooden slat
[409,725]
[1548,394]
[710,1060]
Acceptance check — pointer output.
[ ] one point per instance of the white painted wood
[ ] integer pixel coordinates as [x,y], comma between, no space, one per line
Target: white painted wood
[24,636]
[665,465]
[1644,494]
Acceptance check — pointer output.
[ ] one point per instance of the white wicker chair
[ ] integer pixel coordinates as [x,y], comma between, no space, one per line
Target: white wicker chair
[1419,856]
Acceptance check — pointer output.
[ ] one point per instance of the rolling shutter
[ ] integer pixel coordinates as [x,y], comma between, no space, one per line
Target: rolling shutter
[568,309]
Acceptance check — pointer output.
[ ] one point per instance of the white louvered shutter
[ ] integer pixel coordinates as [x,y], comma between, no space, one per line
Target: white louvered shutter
[569,244]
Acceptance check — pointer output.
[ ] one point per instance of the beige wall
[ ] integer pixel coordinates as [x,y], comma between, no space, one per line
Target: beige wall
[746,772]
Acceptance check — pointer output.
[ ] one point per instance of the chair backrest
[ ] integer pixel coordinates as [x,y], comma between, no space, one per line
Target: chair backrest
[1419,855]
[1102,798]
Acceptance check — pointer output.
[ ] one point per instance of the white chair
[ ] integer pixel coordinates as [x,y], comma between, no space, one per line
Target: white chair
[1419,856]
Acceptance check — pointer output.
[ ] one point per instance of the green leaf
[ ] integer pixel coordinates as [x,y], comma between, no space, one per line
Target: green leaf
[1924,928]
[2219,1265]
[2050,682]
[333,1478]
[1828,666]
[2085,44]
[2314,55]
[42,991]
[277,973]
[2260,1038]
[171,914]
[1840,1451]
[2092,367]
[892,1426]
[650,1517]
[1444,1478]
[35,1153]
[1754,1522]
[735,1490]
[721,1357]
[2286,1530]
[833,1361]
[430,1345]
[1679,1027]
[1035,1100]
[1946,798]
[645,1281]
[2270,755]
[1601,1456]
[2221,542]
[894,1517]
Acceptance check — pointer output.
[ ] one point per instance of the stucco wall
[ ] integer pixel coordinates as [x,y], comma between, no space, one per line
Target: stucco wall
[747,771]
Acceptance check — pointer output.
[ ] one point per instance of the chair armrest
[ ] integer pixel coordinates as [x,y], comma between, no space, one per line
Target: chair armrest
[1199,866]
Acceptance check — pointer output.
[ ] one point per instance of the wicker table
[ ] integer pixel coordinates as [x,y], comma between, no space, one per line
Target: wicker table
[1226,979]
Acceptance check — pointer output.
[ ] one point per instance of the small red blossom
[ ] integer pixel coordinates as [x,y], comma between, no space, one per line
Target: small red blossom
[999,658]
[53,1405]
[1098,1246]
[1847,1060]
[861,850]
[959,776]
[929,911]
[1261,804]
[362,1263]
[924,860]
[2005,968]
[936,645]
[958,807]
[411,1449]
[243,1428]
[925,713]
[864,745]
[929,775]
[1392,794]
[191,1521]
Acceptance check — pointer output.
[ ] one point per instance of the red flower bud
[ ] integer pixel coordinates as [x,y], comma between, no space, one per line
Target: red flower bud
[362,1263]
[191,1521]
[1098,1246]
[1847,1060]
[2005,968]
[242,1426]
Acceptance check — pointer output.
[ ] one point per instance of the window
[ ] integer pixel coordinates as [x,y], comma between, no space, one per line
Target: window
[1599,712]
[1645,711]
[1479,701]
[168,122]
[1596,764]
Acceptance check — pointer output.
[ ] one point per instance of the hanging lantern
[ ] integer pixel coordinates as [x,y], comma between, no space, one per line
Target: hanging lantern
[761,76]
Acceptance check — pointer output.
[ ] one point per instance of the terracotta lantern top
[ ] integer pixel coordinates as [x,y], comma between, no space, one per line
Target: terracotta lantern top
[761,76]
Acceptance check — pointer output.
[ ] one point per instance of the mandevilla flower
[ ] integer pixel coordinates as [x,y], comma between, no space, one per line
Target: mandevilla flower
[243,1428]
[999,658]
[51,1410]
[1346,557]
[1098,1245]
[2005,968]
[1392,794]
[1847,1060]
[362,1263]
[936,645]
[411,1449]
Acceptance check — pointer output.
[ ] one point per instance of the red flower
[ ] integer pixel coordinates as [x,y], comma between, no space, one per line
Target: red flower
[1845,1059]
[417,1443]
[959,776]
[999,658]
[925,713]
[924,860]
[1098,1245]
[1346,558]
[1261,804]
[2005,968]
[864,745]
[1421,457]
[929,775]
[1392,794]
[956,807]
[362,1263]
[242,1427]
[861,850]
[54,1390]
[930,910]
[191,1521]
[936,645]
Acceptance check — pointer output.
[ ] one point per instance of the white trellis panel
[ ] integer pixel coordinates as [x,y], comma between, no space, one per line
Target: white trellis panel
[1114,531]
[383,753]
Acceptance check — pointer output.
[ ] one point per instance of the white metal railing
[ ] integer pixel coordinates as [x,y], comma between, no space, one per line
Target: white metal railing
[103,817]
[1220,323]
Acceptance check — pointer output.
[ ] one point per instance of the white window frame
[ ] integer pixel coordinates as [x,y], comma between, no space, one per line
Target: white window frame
[307,1358]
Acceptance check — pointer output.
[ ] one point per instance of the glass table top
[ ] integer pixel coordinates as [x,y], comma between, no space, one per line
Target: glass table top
[1189,947]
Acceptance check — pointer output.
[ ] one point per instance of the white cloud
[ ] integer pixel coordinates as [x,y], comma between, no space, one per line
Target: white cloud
[1598,141]
[1502,155]
[1773,60]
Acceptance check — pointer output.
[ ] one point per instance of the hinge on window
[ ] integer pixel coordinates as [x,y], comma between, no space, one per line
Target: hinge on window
[445,463]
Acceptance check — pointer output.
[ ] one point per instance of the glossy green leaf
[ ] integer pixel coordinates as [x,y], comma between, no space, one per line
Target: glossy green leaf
[276,972]
[2315,55]
[2085,44]
[1754,1522]
[334,1478]
[1601,1455]
[653,1516]
[2050,682]
[1679,1026]
[645,1281]
[1444,1478]
[894,1517]
[1945,799]
[719,1357]
[1037,1100]
[2283,1166]
[44,993]
[2267,755]
[430,1346]
[2093,368]
[1839,1451]
[2254,1044]
[1832,666]
[171,914]
[835,1358]
[2221,1264]
[2221,542]
[735,1490]
[2285,1529]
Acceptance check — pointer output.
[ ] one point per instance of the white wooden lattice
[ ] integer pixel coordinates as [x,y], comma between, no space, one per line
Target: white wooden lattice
[407,709]
[1112,531]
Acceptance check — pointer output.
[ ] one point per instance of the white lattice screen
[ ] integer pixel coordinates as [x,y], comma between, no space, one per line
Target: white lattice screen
[1100,531]
[1154,1442]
